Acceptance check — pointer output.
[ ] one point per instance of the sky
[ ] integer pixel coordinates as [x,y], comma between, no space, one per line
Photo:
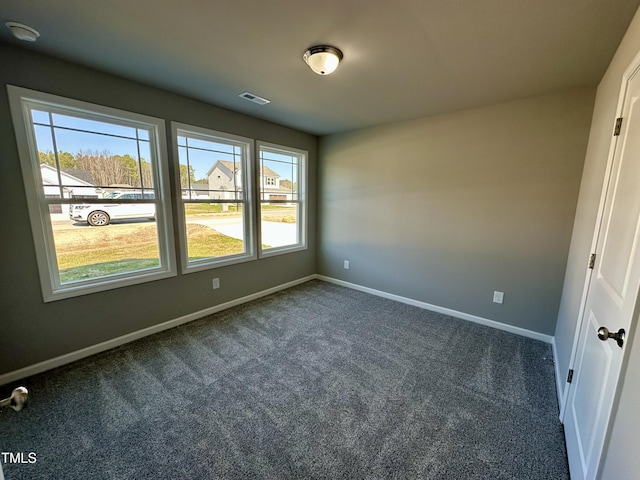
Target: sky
[74,134]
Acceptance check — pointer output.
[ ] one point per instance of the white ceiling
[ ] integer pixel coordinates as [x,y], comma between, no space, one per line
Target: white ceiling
[402,58]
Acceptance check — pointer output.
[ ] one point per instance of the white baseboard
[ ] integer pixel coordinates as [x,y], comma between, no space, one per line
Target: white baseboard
[446,311]
[561,389]
[130,337]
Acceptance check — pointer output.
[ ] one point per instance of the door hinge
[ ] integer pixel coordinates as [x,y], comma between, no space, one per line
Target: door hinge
[592,261]
[570,376]
[616,131]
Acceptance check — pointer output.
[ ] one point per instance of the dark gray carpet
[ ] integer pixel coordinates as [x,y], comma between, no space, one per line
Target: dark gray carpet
[316,382]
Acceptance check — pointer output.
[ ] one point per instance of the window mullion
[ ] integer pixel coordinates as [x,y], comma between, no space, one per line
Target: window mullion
[55,155]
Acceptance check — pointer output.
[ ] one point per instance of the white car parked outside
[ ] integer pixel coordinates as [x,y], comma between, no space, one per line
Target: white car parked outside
[98,215]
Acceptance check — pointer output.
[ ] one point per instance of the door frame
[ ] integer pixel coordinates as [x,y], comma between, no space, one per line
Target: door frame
[632,68]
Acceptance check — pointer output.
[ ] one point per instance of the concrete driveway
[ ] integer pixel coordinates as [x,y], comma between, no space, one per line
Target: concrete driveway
[274,234]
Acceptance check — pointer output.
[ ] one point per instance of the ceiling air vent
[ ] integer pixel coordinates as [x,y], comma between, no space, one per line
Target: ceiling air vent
[254,98]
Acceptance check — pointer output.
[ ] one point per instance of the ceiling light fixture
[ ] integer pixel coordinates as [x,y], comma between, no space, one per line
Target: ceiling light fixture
[22,31]
[323,59]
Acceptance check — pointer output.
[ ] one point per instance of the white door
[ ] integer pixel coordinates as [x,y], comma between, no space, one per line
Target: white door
[611,299]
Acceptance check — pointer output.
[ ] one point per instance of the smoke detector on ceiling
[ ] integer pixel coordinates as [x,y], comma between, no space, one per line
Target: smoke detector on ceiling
[22,31]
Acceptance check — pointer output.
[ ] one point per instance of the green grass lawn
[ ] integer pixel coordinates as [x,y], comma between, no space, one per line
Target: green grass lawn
[94,252]
[204,242]
[96,270]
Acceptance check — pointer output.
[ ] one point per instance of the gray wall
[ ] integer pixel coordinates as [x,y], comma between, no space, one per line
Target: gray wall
[447,209]
[621,460]
[31,331]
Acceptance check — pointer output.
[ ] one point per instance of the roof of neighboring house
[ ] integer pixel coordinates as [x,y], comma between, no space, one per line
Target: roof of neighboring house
[267,172]
[50,178]
[234,167]
[228,167]
[84,175]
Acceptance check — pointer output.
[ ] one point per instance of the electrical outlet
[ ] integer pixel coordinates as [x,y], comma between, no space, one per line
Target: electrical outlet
[498,297]
[346,264]
[216,283]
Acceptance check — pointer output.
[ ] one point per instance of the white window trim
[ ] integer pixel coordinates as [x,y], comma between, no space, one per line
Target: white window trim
[19,100]
[302,201]
[248,212]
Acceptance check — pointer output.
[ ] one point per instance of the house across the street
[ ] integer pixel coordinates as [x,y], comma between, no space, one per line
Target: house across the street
[225,179]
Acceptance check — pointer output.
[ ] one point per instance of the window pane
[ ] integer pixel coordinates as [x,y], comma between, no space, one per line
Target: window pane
[80,140]
[279,155]
[143,134]
[210,145]
[83,192]
[39,116]
[278,180]
[214,230]
[84,252]
[143,178]
[223,174]
[210,169]
[45,144]
[184,176]
[83,124]
[279,225]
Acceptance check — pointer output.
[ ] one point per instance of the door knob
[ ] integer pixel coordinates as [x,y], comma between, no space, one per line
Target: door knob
[17,399]
[604,334]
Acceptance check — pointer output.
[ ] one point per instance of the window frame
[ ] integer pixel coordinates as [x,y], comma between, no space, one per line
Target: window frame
[302,211]
[21,102]
[248,210]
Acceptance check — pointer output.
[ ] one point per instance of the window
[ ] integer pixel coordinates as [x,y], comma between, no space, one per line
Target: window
[216,200]
[282,180]
[97,189]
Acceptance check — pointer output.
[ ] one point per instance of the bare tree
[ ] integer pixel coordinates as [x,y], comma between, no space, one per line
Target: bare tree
[108,169]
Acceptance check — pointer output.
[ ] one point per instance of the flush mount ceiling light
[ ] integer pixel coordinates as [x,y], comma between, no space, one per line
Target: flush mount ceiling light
[323,59]
[23,32]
